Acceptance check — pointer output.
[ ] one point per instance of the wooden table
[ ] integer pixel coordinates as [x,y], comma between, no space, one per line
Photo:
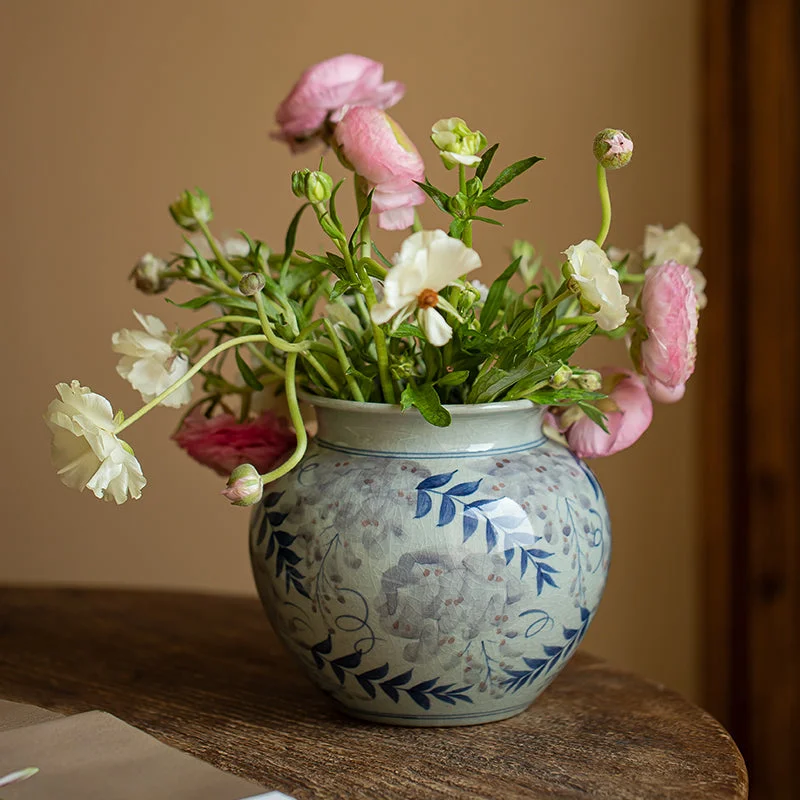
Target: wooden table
[205,674]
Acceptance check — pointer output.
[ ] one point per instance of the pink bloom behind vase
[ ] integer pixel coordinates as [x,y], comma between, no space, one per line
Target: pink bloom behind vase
[628,411]
[223,444]
[376,147]
[669,308]
[328,89]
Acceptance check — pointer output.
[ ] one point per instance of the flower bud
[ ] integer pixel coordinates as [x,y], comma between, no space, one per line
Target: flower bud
[148,274]
[191,269]
[244,487]
[251,283]
[316,187]
[189,210]
[590,380]
[474,186]
[457,143]
[612,148]
[561,377]
[457,204]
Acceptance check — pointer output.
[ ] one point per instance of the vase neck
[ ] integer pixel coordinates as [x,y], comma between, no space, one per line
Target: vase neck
[372,428]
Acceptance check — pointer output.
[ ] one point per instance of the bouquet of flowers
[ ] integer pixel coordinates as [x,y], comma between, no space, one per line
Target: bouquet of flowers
[419,329]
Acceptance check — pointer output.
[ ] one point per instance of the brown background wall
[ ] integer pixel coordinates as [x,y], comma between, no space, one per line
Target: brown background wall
[111,108]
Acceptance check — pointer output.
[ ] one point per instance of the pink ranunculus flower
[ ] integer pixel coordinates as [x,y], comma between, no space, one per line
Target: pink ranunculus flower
[669,309]
[376,147]
[628,411]
[327,90]
[223,444]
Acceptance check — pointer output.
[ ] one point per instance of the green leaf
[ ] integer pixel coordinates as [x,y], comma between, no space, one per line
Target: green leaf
[437,195]
[291,236]
[486,160]
[501,205]
[426,400]
[407,329]
[247,373]
[195,302]
[381,255]
[594,414]
[496,292]
[453,378]
[457,228]
[487,220]
[339,288]
[509,173]
[561,347]
[298,274]
[361,218]
[332,206]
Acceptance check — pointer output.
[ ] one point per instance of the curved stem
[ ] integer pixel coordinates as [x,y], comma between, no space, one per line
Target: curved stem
[326,376]
[266,326]
[555,302]
[270,365]
[211,354]
[605,205]
[177,342]
[297,422]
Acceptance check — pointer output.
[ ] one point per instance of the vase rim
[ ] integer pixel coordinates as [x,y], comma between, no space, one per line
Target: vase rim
[457,410]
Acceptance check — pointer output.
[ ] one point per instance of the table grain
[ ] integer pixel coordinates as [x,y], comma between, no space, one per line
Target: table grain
[206,674]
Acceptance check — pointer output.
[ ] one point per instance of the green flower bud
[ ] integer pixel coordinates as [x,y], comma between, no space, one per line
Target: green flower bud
[561,377]
[191,269]
[245,487]
[316,187]
[590,380]
[612,148]
[457,204]
[457,143]
[251,283]
[474,186]
[522,249]
[189,210]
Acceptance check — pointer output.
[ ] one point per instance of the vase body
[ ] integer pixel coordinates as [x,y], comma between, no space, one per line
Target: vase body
[432,576]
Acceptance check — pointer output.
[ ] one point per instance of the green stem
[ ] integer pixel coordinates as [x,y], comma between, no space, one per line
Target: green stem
[466,234]
[555,301]
[297,422]
[184,337]
[605,205]
[223,262]
[266,326]
[380,348]
[344,362]
[270,365]
[416,225]
[211,354]
[326,376]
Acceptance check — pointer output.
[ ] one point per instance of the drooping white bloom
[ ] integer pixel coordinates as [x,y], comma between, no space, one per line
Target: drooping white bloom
[427,262]
[149,362]
[677,244]
[601,294]
[86,451]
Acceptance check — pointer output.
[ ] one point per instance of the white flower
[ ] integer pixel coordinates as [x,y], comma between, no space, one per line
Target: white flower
[599,285]
[427,262]
[677,244]
[86,451]
[149,363]
[457,143]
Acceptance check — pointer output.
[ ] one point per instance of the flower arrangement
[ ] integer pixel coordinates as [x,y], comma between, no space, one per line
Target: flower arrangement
[416,330]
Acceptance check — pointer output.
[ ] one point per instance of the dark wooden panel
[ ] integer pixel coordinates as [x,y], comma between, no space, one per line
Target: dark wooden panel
[205,674]
[751,360]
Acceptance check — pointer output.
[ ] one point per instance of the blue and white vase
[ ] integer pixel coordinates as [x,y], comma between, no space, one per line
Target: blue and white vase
[432,576]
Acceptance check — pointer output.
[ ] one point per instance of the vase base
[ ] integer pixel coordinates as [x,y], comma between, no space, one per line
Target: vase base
[432,720]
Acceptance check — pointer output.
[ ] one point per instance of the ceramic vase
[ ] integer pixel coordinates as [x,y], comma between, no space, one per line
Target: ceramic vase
[432,576]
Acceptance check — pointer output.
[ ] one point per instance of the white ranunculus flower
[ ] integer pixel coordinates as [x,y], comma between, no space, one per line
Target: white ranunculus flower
[427,262]
[599,284]
[86,451]
[677,244]
[149,362]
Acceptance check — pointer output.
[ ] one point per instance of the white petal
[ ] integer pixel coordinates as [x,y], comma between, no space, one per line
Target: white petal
[153,325]
[437,331]
[448,260]
[416,242]
[383,312]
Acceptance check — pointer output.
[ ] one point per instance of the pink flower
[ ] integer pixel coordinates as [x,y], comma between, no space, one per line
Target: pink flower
[375,146]
[669,309]
[628,411]
[223,444]
[327,90]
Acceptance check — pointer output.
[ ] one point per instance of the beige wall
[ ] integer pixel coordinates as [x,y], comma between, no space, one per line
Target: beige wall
[110,108]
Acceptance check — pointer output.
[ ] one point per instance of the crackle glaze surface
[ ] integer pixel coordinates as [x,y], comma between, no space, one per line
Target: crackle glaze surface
[432,576]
